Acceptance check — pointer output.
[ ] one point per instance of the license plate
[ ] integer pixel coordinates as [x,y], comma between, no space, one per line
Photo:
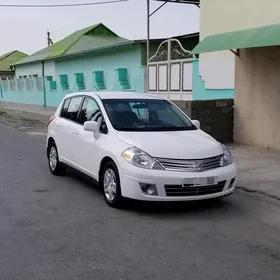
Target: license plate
[189,182]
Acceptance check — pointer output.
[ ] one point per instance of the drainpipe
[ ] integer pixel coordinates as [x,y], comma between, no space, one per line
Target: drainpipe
[1,90]
[44,84]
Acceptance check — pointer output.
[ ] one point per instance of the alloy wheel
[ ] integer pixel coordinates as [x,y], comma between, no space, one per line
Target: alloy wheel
[53,158]
[110,184]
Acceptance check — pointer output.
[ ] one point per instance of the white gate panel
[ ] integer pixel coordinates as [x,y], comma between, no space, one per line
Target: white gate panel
[175,76]
[163,77]
[187,76]
[152,84]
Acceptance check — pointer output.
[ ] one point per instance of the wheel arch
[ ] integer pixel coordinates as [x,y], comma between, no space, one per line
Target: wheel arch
[50,141]
[105,160]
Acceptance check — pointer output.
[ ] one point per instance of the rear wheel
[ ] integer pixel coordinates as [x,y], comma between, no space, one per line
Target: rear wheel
[110,183]
[55,165]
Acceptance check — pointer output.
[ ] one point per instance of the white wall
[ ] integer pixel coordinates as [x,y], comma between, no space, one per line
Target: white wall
[218,16]
[257,97]
[35,69]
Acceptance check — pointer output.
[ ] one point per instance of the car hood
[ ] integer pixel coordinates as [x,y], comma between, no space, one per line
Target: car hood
[192,144]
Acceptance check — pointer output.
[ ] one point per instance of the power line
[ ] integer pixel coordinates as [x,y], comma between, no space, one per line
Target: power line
[60,5]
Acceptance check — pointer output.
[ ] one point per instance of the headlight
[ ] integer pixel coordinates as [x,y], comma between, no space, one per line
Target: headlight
[140,159]
[227,157]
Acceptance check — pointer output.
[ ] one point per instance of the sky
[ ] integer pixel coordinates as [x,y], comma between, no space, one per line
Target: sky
[25,29]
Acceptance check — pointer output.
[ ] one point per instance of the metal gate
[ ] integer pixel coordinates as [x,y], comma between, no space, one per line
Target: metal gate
[170,71]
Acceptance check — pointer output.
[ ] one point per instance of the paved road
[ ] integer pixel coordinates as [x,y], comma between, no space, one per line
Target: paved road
[60,228]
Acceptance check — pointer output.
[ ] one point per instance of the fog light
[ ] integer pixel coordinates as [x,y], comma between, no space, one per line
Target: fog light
[149,189]
[231,184]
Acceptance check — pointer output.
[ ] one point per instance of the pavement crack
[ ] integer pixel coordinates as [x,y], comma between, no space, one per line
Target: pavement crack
[258,192]
[40,191]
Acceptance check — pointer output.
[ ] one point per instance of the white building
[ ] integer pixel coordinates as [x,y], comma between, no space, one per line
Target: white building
[251,30]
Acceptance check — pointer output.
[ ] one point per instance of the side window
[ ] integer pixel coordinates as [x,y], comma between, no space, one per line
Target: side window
[73,108]
[90,111]
[63,113]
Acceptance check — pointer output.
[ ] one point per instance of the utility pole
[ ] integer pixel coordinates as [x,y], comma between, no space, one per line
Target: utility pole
[50,42]
[148,46]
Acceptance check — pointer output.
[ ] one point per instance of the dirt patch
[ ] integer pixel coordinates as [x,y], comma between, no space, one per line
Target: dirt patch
[19,119]
[3,114]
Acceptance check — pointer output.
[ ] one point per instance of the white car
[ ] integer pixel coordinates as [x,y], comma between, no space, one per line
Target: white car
[138,146]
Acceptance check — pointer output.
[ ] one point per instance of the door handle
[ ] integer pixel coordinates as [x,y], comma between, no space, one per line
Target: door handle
[58,124]
[75,131]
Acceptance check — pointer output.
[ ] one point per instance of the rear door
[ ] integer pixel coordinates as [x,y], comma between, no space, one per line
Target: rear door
[69,129]
[59,128]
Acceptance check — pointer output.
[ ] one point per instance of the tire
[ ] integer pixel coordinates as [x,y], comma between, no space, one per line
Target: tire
[110,183]
[55,165]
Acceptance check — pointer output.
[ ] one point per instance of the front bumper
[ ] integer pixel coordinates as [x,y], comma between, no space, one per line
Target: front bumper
[169,183]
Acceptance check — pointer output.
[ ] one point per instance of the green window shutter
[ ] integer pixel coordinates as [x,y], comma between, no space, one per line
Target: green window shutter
[80,81]
[122,78]
[98,78]
[64,82]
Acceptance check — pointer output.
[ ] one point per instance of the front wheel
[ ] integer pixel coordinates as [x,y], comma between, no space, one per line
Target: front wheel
[110,183]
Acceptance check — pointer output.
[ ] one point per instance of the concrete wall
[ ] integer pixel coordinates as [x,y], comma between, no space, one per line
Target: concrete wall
[31,91]
[35,69]
[215,116]
[218,16]
[257,86]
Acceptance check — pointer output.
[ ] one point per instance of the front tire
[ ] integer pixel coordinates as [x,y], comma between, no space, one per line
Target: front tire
[110,183]
[55,165]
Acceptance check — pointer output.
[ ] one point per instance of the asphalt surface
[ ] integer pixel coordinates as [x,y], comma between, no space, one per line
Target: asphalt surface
[58,228]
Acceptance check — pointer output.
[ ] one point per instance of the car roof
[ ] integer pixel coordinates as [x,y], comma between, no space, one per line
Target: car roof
[116,95]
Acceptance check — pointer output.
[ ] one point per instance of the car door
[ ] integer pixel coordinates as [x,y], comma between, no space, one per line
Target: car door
[88,156]
[70,129]
[59,123]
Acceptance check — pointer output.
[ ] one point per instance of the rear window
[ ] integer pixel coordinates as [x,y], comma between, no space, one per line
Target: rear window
[64,109]
[70,108]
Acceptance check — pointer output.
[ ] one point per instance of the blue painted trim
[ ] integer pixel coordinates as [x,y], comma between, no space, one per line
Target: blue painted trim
[199,91]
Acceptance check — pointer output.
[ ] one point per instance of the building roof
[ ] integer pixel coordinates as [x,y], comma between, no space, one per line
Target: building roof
[10,58]
[88,39]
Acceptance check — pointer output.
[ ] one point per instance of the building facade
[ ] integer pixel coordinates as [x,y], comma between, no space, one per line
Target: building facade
[94,59]
[245,35]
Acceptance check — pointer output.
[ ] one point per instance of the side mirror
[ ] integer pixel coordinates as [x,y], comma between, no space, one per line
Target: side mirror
[92,127]
[196,123]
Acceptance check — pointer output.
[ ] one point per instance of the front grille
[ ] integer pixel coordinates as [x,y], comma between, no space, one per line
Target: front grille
[191,165]
[178,190]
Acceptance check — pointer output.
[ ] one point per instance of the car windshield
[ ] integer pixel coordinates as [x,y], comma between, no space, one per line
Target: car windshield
[146,115]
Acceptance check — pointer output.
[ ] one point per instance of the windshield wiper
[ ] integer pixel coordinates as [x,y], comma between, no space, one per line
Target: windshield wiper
[157,128]
[174,128]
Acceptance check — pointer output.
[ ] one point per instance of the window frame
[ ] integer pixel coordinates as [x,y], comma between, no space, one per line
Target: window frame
[79,110]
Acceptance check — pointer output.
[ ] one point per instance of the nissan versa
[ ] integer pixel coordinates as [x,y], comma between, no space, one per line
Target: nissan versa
[138,146]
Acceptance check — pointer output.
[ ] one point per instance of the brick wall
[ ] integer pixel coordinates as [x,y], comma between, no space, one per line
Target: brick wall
[215,116]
